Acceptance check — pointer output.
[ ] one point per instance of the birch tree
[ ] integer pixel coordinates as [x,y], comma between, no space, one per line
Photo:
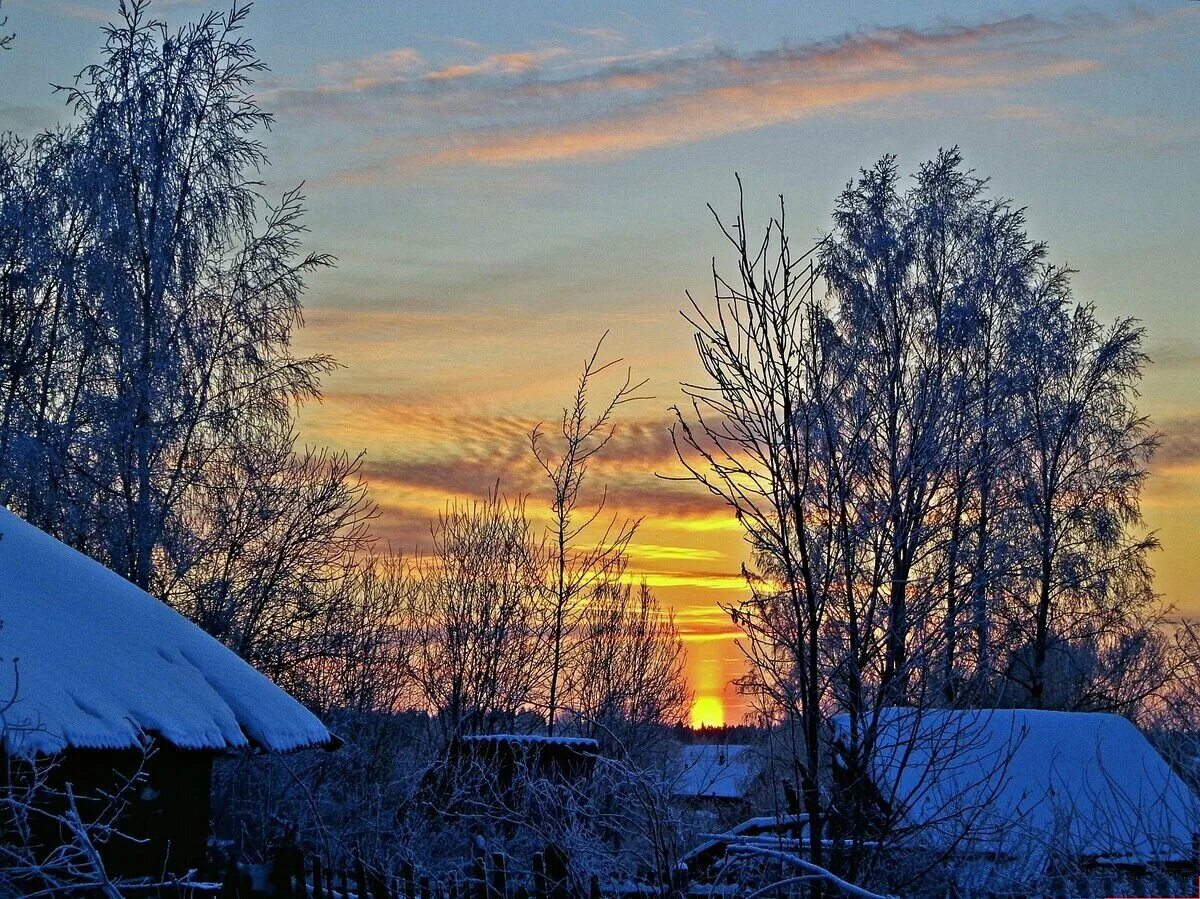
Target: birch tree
[148,385]
[935,458]
[1081,464]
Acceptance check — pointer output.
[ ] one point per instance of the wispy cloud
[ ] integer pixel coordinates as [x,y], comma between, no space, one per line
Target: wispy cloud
[1180,445]
[599,33]
[554,104]
[712,113]
[518,62]
[561,101]
[353,75]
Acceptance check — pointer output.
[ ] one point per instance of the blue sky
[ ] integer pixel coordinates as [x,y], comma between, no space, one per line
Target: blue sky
[502,183]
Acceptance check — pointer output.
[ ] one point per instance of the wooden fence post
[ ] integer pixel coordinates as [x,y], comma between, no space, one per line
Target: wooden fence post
[479,885]
[557,872]
[539,875]
[406,875]
[499,879]
[231,883]
[318,883]
[380,889]
[360,877]
[299,874]
[426,887]
[679,879]
[280,876]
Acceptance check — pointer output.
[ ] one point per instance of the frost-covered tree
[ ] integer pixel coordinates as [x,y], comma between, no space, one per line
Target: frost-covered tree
[936,458]
[473,618]
[148,387]
[1079,466]
[628,673]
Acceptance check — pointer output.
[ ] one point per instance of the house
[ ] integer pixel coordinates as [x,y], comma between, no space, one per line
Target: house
[716,773]
[104,681]
[719,785]
[1030,789]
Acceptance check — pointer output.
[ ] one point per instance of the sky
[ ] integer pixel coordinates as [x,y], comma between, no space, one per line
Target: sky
[505,183]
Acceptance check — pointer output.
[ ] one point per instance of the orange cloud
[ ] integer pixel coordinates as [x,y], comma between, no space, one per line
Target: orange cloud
[718,112]
[513,63]
[652,102]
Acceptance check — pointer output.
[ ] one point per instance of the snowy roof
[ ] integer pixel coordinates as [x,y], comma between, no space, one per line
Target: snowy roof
[534,740]
[101,664]
[715,771]
[1024,783]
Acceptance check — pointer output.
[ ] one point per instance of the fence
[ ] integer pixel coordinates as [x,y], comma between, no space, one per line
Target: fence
[292,874]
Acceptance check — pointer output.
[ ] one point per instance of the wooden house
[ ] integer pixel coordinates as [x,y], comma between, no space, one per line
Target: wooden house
[108,689]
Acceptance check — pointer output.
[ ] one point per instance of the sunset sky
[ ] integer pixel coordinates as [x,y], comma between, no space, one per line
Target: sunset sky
[503,183]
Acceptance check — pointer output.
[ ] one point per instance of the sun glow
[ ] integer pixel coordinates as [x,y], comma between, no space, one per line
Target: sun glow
[708,711]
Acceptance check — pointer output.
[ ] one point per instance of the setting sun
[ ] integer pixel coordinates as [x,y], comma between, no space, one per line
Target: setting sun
[708,711]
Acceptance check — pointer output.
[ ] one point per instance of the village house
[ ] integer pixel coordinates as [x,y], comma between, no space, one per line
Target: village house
[102,682]
[1015,793]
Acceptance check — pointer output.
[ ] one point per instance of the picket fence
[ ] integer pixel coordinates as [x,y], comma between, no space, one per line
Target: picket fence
[293,874]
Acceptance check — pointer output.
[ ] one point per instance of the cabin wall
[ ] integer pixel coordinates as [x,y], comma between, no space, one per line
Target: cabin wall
[164,812]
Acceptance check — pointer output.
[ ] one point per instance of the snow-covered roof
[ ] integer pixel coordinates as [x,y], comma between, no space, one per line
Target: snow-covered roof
[715,771]
[1024,783]
[101,664]
[586,743]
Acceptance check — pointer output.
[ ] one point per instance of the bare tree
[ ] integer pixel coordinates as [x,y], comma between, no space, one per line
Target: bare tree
[274,536]
[472,616]
[581,560]
[628,674]
[753,439]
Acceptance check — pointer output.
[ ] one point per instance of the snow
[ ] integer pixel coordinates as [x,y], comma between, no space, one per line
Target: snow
[535,739]
[770,827]
[101,664]
[1024,784]
[712,771]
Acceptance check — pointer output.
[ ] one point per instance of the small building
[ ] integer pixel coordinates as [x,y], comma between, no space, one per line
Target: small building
[1029,790]
[487,775]
[106,681]
[557,759]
